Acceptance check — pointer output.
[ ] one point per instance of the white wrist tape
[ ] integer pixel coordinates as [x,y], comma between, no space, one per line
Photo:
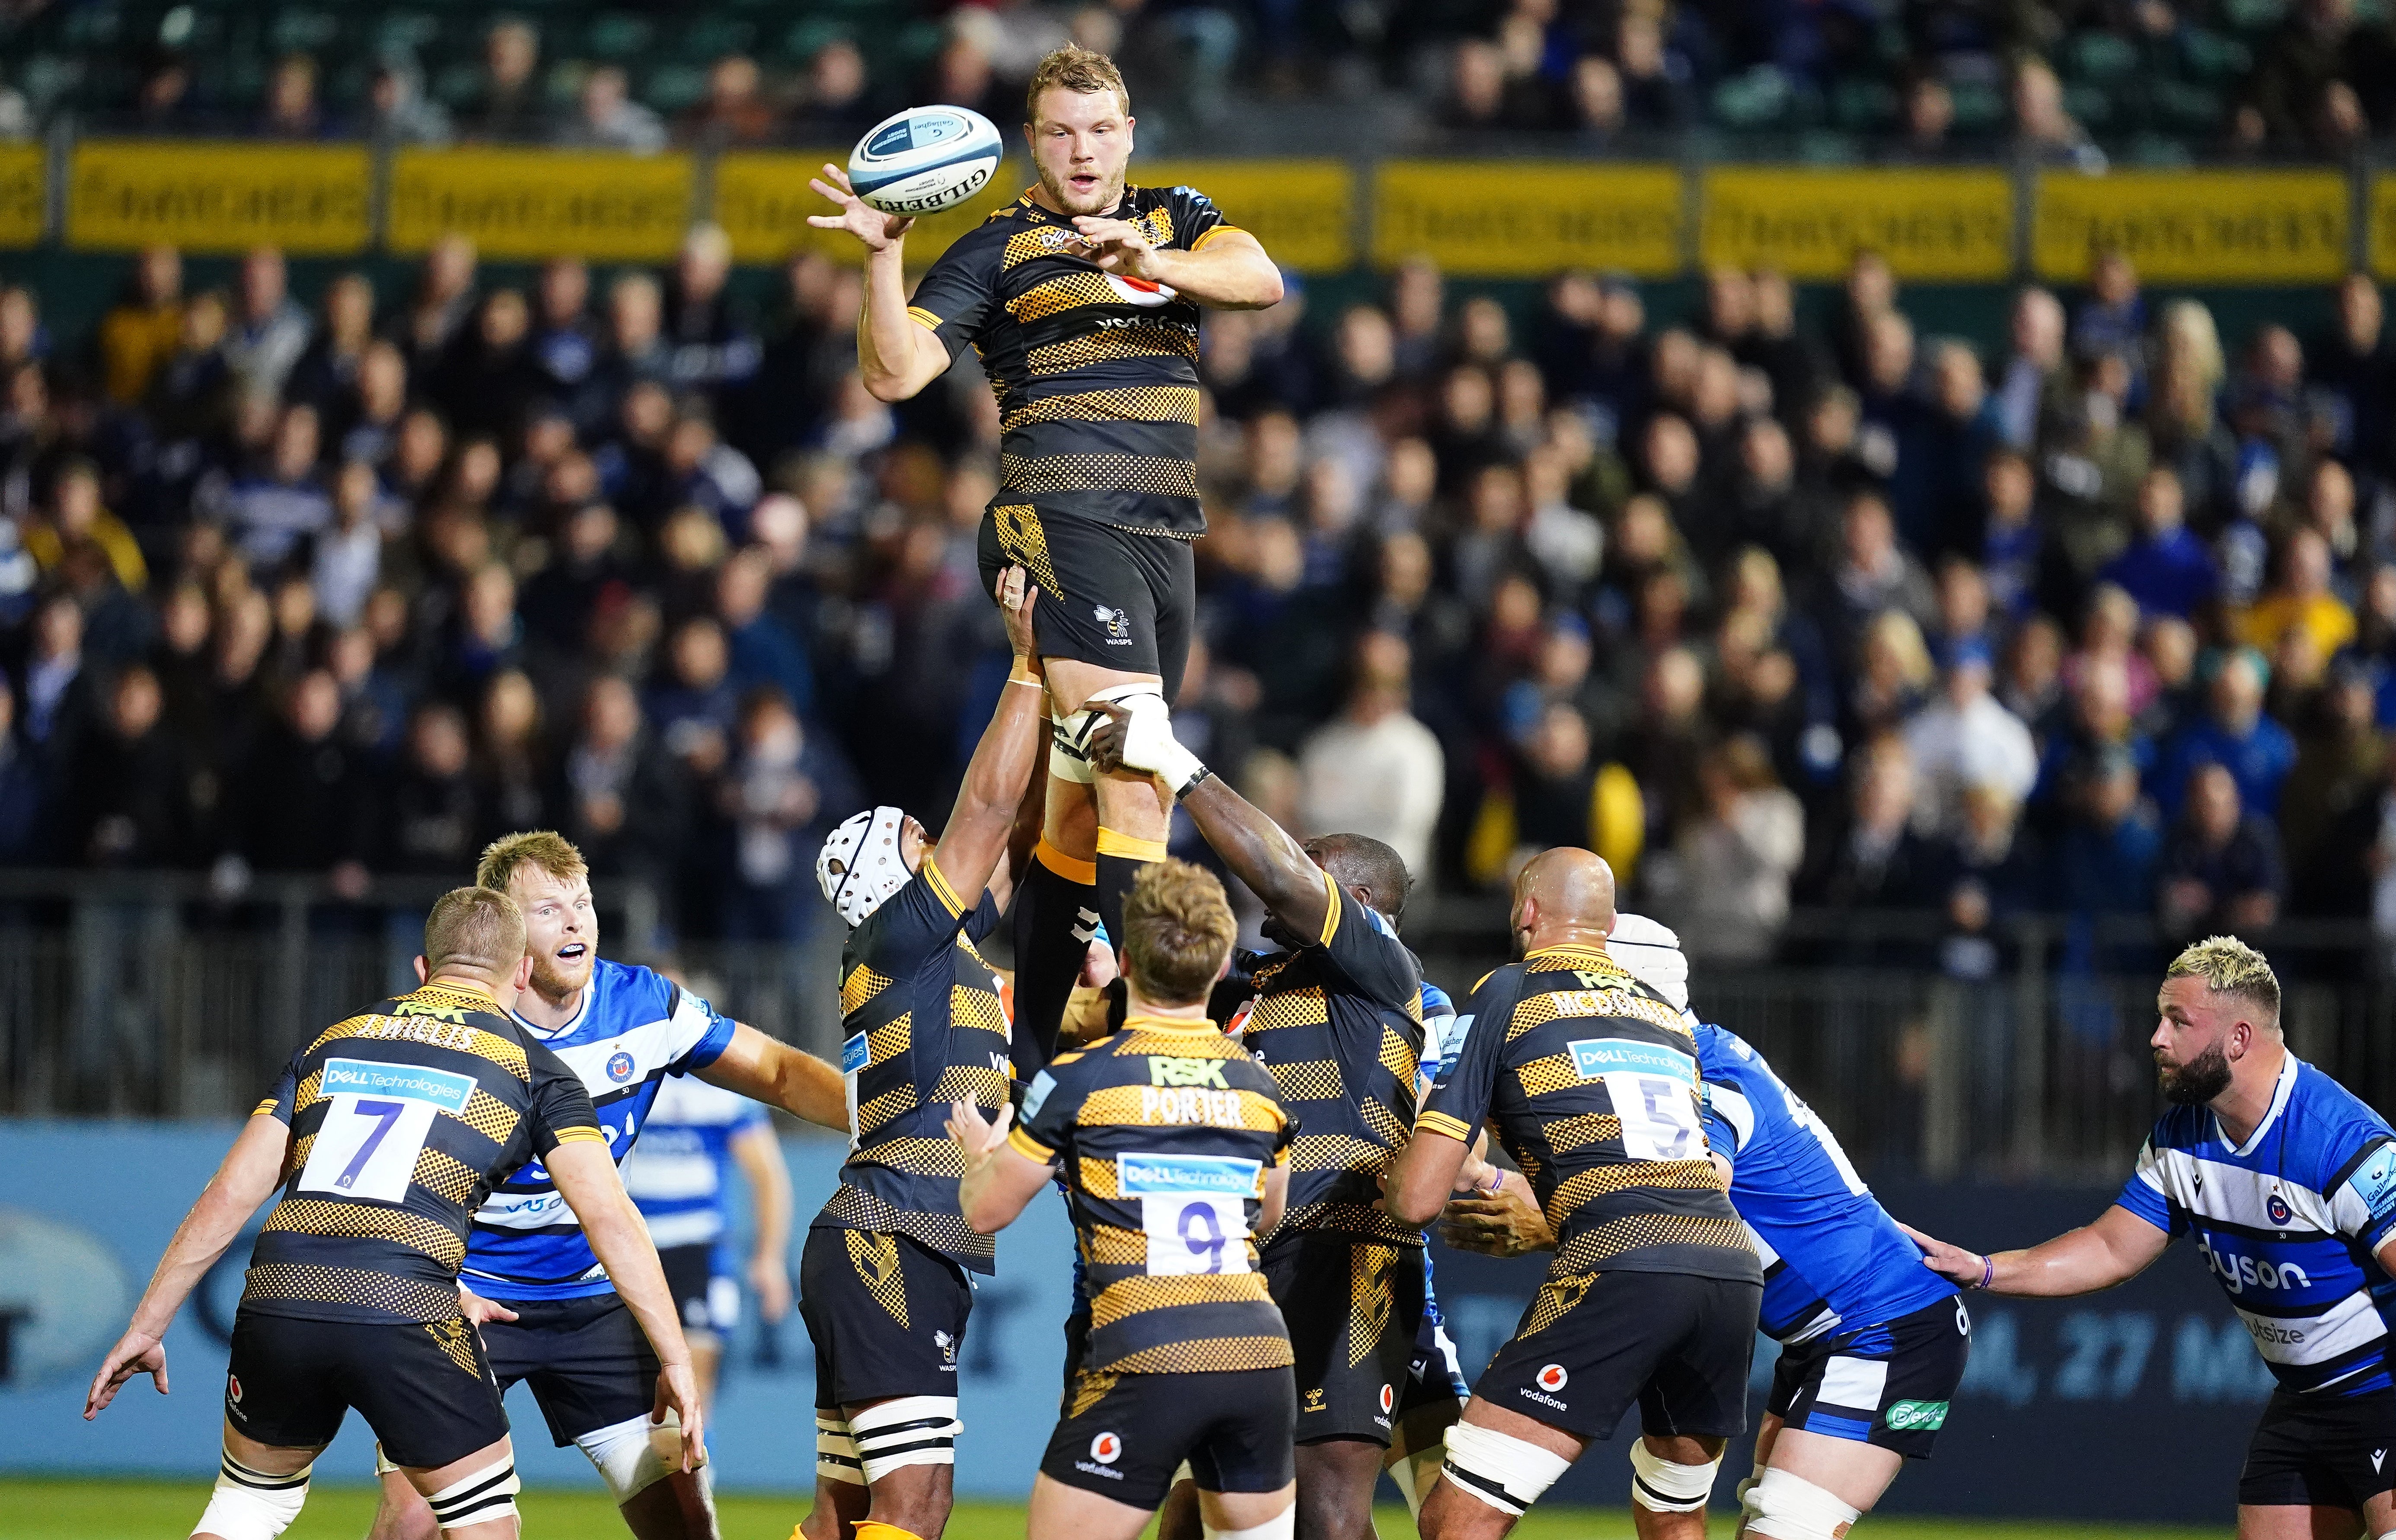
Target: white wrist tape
[1282,1526]
[253,1505]
[906,1430]
[1149,743]
[1662,1486]
[1790,1508]
[489,1493]
[1506,1472]
[635,1454]
[1070,733]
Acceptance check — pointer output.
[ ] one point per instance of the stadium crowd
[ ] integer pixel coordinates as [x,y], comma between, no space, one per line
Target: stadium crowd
[2102,624]
[2064,80]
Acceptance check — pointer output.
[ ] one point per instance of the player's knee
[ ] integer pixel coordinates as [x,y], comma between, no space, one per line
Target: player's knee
[253,1505]
[905,1430]
[1281,1526]
[1506,1472]
[1790,1508]
[1667,1486]
[1069,732]
[486,1496]
[635,1454]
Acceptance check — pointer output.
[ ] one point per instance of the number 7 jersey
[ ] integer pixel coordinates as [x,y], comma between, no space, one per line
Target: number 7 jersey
[1593,1082]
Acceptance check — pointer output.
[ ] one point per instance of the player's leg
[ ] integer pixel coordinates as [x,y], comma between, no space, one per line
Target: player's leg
[1429,1404]
[1693,1403]
[2318,1469]
[2297,1521]
[282,1406]
[1499,1463]
[428,1394]
[259,1490]
[1336,1478]
[1354,1310]
[1060,1512]
[1245,1468]
[592,1373]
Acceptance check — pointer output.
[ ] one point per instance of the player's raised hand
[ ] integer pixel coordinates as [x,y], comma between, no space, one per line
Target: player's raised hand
[980,1135]
[1952,1263]
[135,1353]
[1017,595]
[879,232]
[678,1394]
[1117,246]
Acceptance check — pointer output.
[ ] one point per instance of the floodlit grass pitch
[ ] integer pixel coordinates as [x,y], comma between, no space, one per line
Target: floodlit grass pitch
[101,1509]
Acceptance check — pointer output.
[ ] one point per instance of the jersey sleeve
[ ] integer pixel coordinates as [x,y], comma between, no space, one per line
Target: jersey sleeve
[1459,1099]
[918,922]
[1361,945]
[984,918]
[282,1097]
[956,296]
[2143,1193]
[700,1033]
[1728,1116]
[1050,1104]
[561,1107]
[1195,218]
[2362,1204]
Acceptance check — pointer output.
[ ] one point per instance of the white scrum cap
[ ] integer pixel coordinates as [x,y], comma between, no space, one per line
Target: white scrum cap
[860,866]
[1652,954]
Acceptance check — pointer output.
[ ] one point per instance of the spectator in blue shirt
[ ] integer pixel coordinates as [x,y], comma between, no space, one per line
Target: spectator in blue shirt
[2222,870]
[763,650]
[2164,567]
[2234,733]
[2113,847]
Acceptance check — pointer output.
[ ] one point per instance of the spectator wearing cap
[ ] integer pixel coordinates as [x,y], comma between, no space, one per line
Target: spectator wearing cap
[2222,870]
[2165,568]
[2233,733]
[1964,738]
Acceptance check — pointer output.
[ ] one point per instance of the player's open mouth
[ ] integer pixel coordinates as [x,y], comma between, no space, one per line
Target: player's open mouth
[1083,182]
[571,952]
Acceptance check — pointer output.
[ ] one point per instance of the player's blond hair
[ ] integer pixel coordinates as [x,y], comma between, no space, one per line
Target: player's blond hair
[474,930]
[1177,931]
[542,849]
[2229,967]
[1074,69]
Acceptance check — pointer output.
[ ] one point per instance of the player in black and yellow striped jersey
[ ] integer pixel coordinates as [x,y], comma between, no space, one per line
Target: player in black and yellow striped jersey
[1590,1080]
[1173,1148]
[883,1284]
[384,1134]
[1083,299]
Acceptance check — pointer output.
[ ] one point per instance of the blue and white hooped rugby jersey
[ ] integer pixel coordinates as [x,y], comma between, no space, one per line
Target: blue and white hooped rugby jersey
[1441,1037]
[676,1172]
[635,1028]
[1833,1260]
[2288,1222]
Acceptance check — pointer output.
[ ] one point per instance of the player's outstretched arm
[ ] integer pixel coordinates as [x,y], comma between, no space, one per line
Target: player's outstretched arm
[1258,851]
[983,822]
[769,1071]
[2114,1249]
[1500,1219]
[1276,1200]
[586,1178]
[1231,272]
[250,1172]
[999,1180]
[896,358]
[1422,1175]
[760,1155]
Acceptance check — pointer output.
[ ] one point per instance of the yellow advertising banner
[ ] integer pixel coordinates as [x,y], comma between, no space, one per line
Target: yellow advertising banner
[1525,220]
[762,201]
[531,204]
[24,194]
[2383,224]
[209,195]
[2211,226]
[1304,212]
[1935,225]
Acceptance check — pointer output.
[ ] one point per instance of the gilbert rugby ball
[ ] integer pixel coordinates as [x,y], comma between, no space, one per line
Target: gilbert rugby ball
[925,159]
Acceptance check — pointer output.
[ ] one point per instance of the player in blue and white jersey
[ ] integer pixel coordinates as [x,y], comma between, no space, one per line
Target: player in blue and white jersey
[1434,1397]
[2288,1182]
[1872,1346]
[548,1313]
[677,1176]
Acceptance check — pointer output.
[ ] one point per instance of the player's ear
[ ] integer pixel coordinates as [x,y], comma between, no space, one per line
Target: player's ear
[421,972]
[524,971]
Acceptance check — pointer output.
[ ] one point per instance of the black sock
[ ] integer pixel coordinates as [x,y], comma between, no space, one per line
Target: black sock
[1053,919]
[1119,858]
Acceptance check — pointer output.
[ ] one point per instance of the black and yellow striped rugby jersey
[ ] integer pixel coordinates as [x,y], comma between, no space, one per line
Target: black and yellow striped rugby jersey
[1163,1133]
[1592,1082]
[403,1118]
[1340,1025]
[1097,375]
[922,1026]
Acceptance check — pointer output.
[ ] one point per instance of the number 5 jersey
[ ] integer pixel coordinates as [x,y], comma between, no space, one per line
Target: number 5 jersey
[1163,1133]
[1592,1080]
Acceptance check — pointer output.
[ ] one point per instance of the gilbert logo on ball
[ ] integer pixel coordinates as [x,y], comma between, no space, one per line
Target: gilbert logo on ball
[1106,1449]
[925,160]
[1552,1377]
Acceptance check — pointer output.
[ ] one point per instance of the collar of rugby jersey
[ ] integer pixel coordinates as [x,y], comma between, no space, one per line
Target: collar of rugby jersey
[2280,1091]
[1192,1025]
[472,992]
[1588,952]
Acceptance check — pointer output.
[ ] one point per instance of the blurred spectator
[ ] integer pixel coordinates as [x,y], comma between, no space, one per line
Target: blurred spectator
[2164,569]
[397,110]
[437,310]
[1964,738]
[24,826]
[621,799]
[271,505]
[607,117]
[2300,599]
[714,341]
[2112,845]
[833,106]
[1728,890]
[294,806]
[270,331]
[2221,866]
[430,825]
[2043,125]
[734,111]
[2233,733]
[329,367]
[769,798]
[128,797]
[292,111]
[1374,769]
[508,105]
[141,331]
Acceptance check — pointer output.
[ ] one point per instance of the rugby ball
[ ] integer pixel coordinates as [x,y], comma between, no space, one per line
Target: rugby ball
[925,160]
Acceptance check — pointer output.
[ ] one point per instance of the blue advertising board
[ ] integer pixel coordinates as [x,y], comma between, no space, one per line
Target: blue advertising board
[2155,1378]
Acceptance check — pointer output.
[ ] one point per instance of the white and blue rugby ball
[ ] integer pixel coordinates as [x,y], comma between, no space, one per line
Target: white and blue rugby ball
[925,160]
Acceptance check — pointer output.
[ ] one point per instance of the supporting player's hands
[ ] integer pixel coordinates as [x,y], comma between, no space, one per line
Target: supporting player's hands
[480,1311]
[1952,1263]
[980,1136]
[1016,595]
[1118,245]
[1508,1223]
[136,1352]
[879,232]
[678,1396]
[1140,737]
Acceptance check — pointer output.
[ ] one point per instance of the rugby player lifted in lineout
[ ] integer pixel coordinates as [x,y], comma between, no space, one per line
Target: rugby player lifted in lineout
[1082,298]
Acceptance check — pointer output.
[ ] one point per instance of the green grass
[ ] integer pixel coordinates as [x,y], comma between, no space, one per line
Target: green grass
[90,1510]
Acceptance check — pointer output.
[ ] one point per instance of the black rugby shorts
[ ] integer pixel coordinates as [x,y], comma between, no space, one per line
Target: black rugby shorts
[1116,597]
[426,1390]
[887,1315]
[1354,1310]
[1124,1436]
[2321,1451]
[587,1361]
[1592,1343]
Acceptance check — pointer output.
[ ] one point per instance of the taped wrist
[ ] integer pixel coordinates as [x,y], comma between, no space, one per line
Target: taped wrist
[253,1505]
[905,1430]
[489,1493]
[1149,745]
[1662,1486]
[1506,1472]
[1790,1508]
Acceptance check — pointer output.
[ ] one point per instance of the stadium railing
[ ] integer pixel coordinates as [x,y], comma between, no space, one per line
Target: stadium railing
[2016,1055]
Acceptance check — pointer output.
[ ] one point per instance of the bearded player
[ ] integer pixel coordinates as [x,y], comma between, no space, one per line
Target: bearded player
[1083,299]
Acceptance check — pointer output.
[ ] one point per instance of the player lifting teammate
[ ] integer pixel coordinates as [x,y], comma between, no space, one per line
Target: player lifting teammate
[1591,1079]
[549,1313]
[1082,299]
[882,1278]
[1336,1017]
[2289,1182]
[1172,1145]
[385,1132]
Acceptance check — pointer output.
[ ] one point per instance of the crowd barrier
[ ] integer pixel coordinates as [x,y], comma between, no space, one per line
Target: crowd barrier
[2156,1376]
[1494,218]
